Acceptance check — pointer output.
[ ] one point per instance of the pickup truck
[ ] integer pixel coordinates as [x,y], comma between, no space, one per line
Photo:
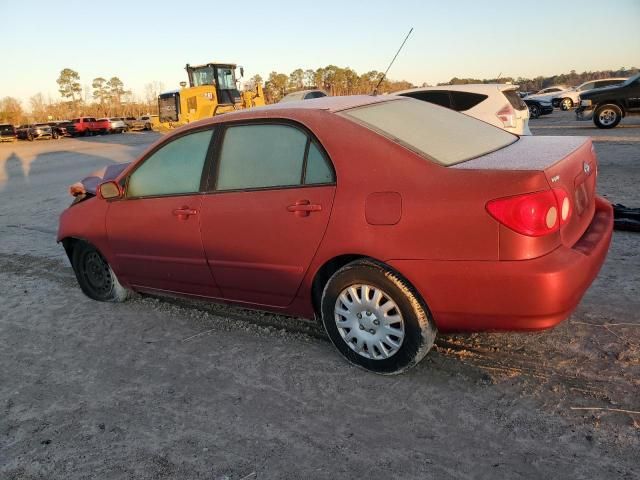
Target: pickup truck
[83,126]
[608,105]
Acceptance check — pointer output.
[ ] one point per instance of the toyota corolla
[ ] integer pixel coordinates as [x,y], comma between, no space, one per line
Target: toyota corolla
[387,218]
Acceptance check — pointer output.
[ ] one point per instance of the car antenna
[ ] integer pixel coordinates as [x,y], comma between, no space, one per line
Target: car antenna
[375,90]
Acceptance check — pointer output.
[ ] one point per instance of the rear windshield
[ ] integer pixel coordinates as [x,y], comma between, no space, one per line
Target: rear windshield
[515,100]
[438,134]
[6,129]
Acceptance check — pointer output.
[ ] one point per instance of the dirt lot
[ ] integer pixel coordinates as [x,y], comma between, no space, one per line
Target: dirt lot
[157,389]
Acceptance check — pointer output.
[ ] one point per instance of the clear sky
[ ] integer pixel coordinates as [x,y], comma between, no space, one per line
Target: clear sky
[144,41]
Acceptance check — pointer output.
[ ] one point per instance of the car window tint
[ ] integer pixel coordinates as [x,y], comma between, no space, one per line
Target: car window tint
[465,100]
[514,99]
[175,168]
[435,96]
[258,156]
[318,169]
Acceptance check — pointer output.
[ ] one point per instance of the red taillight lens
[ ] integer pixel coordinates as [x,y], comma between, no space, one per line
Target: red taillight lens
[507,116]
[531,214]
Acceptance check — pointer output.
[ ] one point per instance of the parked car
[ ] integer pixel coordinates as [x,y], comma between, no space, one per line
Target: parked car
[34,132]
[59,128]
[130,121]
[547,94]
[498,104]
[118,125]
[303,95]
[608,105]
[83,126]
[538,107]
[386,217]
[7,133]
[569,98]
[54,131]
[145,122]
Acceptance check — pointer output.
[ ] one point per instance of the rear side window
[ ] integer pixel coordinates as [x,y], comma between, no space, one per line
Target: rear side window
[515,100]
[269,156]
[176,168]
[258,156]
[465,100]
[438,97]
[442,136]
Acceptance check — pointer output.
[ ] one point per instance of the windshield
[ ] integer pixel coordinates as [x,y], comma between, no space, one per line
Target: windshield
[437,133]
[202,76]
[226,80]
[630,80]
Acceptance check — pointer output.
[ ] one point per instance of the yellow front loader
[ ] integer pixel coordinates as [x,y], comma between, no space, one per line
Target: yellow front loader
[212,90]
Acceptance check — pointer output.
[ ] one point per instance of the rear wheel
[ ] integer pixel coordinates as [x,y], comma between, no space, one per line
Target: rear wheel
[607,116]
[566,104]
[534,111]
[95,277]
[30,137]
[375,318]
[55,135]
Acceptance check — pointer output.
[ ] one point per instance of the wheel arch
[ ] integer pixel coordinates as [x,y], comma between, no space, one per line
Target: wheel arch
[331,266]
[612,102]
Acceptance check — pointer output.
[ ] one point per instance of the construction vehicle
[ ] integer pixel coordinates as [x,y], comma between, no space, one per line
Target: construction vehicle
[212,90]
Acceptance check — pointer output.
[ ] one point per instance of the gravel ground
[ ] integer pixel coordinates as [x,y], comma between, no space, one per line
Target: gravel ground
[165,389]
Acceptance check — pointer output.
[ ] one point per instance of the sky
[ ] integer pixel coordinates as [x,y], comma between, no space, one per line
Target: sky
[145,41]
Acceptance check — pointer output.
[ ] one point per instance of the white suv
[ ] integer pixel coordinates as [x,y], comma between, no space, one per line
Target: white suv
[495,103]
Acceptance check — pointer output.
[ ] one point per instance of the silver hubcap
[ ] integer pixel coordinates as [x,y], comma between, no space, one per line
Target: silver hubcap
[608,116]
[369,321]
[566,104]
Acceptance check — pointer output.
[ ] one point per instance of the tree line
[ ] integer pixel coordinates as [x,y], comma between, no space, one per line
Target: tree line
[570,79]
[104,98]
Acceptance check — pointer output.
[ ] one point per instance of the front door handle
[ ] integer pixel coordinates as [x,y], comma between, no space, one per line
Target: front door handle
[303,208]
[184,212]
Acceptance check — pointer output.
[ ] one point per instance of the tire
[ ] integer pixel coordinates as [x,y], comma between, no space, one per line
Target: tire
[566,104]
[360,334]
[55,135]
[534,111]
[95,277]
[607,116]
[30,137]
[147,127]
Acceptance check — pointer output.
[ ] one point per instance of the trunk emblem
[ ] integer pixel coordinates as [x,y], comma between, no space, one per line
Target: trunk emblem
[587,168]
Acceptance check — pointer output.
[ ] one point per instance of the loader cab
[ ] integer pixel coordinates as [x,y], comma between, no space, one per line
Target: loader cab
[221,76]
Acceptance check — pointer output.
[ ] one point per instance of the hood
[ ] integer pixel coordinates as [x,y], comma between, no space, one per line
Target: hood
[89,185]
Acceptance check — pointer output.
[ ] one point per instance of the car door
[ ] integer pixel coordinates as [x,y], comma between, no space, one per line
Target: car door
[154,230]
[268,208]
[632,96]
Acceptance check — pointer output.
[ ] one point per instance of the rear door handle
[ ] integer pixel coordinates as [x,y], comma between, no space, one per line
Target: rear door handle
[184,212]
[303,208]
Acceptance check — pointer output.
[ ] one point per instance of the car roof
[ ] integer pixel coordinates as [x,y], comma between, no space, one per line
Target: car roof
[469,87]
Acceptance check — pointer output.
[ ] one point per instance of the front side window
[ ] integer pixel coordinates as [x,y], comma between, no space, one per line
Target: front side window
[440,135]
[202,76]
[174,169]
[269,156]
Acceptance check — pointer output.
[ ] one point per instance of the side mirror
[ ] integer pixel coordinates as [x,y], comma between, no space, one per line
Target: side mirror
[109,190]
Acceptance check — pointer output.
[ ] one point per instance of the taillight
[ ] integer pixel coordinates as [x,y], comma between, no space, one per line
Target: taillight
[532,214]
[507,116]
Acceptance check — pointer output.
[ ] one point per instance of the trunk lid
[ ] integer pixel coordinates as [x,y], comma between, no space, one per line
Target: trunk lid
[566,162]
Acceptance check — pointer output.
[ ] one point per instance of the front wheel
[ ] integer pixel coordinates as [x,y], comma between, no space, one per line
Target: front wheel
[566,104]
[95,277]
[534,111]
[607,116]
[375,318]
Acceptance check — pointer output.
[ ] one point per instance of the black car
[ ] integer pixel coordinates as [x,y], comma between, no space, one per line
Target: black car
[608,105]
[538,107]
[7,133]
[59,128]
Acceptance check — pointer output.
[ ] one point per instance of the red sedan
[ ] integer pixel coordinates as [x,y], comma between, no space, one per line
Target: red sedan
[387,217]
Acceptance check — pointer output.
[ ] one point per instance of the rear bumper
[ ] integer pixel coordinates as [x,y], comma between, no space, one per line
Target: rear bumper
[512,295]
